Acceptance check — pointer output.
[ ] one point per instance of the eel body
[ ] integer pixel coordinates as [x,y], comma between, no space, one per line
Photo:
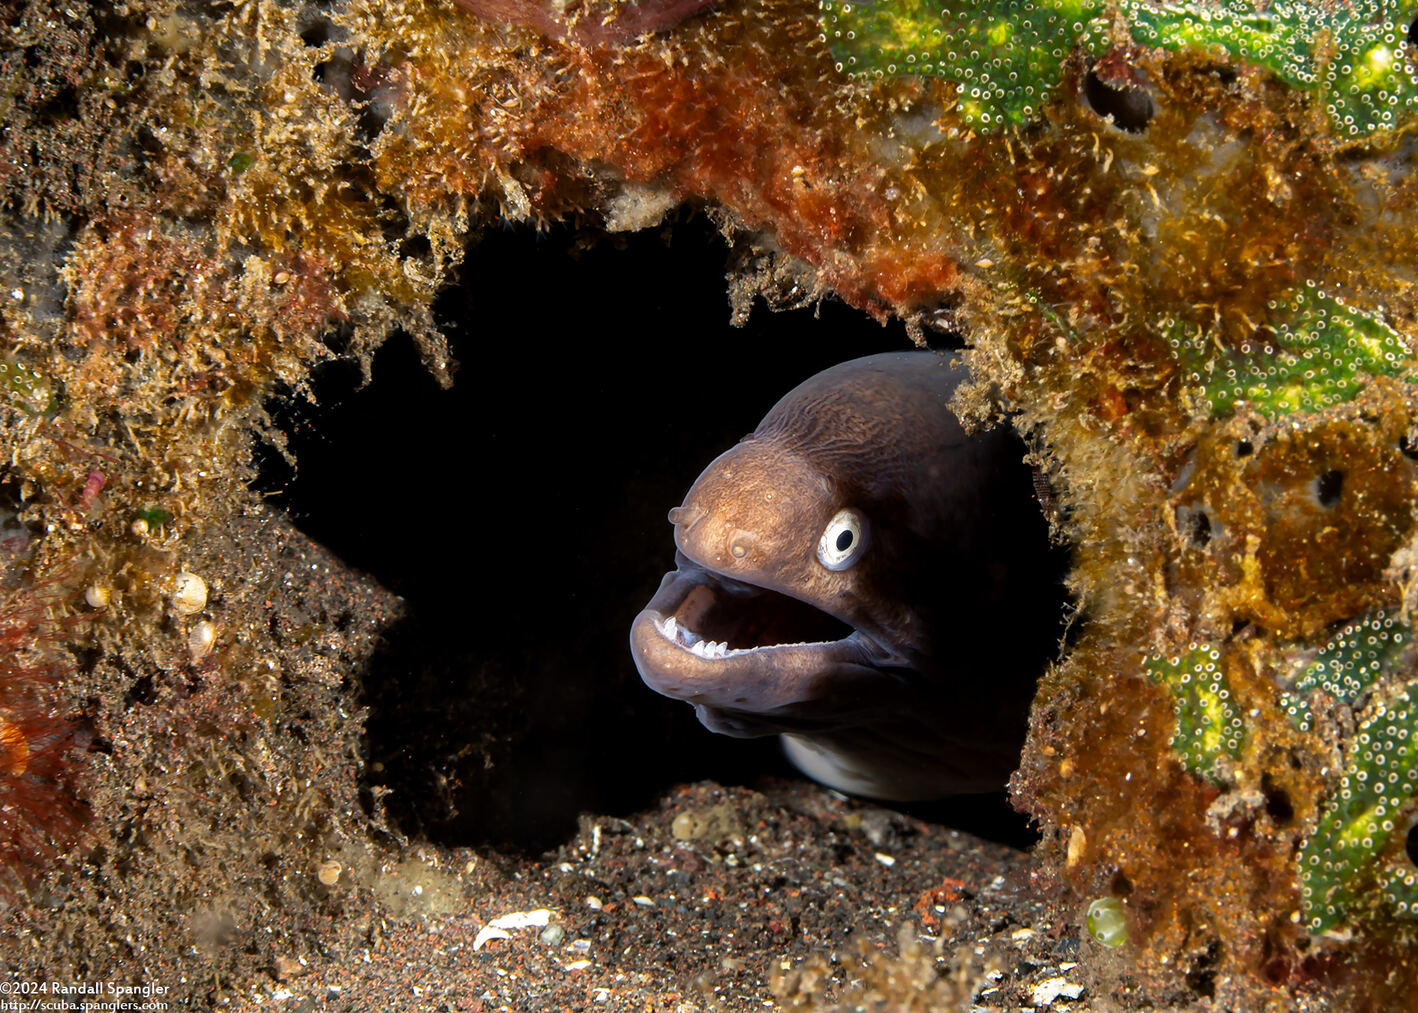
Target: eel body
[862,577]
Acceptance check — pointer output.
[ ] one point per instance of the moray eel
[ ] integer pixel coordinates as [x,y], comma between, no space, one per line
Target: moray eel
[866,579]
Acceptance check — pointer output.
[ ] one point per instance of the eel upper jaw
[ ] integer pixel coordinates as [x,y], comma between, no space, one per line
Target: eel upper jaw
[856,645]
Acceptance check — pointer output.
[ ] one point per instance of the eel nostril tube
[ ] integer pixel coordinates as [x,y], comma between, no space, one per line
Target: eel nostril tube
[685,515]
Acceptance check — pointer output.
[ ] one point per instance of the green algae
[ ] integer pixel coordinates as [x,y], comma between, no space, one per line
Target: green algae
[1315,352]
[1209,726]
[1346,666]
[1340,863]
[1007,57]
[25,388]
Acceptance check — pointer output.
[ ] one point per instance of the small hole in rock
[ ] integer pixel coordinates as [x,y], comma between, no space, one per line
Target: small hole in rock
[1407,448]
[1329,487]
[1129,108]
[142,691]
[1277,803]
[1202,976]
[1410,844]
[1200,528]
[1244,448]
[1412,34]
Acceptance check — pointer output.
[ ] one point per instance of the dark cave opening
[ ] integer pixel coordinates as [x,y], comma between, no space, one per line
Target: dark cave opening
[521,515]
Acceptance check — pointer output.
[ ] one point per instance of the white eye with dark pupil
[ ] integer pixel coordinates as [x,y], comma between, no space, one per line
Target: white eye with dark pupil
[843,540]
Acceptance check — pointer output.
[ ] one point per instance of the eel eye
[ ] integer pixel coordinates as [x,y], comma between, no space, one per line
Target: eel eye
[843,540]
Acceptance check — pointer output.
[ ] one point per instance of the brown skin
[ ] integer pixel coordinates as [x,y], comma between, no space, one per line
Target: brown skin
[906,671]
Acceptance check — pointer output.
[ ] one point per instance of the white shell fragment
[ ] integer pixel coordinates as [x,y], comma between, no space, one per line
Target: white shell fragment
[98,596]
[497,928]
[1044,993]
[189,594]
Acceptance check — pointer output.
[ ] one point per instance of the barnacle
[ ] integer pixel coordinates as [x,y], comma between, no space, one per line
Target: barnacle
[1006,59]
[1353,858]
[1313,353]
[1209,726]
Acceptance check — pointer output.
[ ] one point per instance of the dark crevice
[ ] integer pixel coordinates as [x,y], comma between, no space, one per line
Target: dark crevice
[142,691]
[1200,528]
[1129,108]
[521,515]
[1277,802]
[1202,974]
[1329,487]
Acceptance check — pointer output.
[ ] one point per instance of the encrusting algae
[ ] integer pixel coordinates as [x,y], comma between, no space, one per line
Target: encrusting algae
[1179,242]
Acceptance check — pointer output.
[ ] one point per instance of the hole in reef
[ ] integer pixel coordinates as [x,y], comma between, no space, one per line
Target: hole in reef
[1407,448]
[1244,448]
[1277,802]
[1197,524]
[141,691]
[317,33]
[1412,33]
[1410,843]
[1329,487]
[521,515]
[1129,108]
[1201,977]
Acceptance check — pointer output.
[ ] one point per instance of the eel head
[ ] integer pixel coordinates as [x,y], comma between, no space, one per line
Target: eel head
[769,622]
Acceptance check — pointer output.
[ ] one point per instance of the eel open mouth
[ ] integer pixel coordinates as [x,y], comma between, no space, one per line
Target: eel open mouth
[753,661]
[722,644]
[716,617]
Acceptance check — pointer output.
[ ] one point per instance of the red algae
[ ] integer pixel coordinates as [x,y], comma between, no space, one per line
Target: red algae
[41,761]
[589,25]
